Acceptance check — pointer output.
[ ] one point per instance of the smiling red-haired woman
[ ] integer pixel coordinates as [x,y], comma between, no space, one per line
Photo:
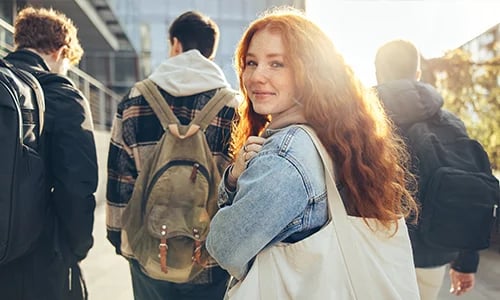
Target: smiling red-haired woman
[274,197]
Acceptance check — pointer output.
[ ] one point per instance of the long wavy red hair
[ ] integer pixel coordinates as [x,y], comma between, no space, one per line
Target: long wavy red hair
[370,159]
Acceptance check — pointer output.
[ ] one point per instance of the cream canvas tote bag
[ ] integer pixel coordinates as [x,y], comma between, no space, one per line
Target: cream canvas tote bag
[344,260]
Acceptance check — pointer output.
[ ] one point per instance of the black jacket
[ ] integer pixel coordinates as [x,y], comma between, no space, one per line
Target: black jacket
[69,153]
[407,102]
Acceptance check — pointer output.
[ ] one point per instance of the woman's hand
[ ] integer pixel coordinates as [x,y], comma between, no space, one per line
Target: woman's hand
[252,146]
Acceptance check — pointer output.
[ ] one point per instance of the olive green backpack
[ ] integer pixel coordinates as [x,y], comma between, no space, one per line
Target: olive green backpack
[175,195]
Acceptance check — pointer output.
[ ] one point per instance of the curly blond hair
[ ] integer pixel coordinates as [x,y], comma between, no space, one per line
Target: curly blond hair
[46,31]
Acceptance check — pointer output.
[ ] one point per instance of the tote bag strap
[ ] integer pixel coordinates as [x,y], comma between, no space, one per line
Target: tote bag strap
[358,275]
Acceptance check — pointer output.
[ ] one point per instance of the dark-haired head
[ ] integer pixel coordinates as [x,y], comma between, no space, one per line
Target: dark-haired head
[193,30]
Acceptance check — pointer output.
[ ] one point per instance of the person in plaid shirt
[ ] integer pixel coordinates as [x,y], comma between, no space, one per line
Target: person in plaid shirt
[187,80]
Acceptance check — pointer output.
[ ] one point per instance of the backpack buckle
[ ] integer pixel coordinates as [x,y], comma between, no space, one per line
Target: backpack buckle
[194,172]
[197,253]
[163,250]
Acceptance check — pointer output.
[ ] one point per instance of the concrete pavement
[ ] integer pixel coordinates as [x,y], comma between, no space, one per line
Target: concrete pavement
[487,279]
[108,277]
[107,274]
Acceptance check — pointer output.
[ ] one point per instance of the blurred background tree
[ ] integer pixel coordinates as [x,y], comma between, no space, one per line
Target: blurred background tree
[470,90]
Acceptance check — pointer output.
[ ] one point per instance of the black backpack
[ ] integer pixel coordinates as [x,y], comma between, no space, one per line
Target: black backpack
[458,193]
[23,195]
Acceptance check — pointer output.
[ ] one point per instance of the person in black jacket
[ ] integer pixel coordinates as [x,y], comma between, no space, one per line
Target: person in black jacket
[46,46]
[407,100]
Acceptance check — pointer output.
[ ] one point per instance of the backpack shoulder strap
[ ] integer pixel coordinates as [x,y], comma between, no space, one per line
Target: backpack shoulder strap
[148,89]
[40,97]
[212,108]
[167,117]
[31,81]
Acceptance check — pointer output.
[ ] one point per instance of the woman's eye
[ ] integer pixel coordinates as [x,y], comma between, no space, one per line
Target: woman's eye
[251,63]
[277,64]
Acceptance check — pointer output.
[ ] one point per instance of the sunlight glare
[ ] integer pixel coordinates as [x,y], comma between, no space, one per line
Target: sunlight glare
[359,27]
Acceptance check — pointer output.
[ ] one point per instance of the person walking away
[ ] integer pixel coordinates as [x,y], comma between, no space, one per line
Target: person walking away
[409,101]
[46,45]
[187,80]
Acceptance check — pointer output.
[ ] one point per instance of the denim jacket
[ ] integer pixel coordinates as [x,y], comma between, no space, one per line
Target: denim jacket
[280,197]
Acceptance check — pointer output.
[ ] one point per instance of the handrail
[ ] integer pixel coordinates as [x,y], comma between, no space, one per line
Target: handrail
[94,81]
[6,25]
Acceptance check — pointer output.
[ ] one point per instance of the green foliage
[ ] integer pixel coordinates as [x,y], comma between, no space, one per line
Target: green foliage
[471,91]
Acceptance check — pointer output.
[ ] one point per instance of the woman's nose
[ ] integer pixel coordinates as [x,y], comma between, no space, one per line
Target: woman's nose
[259,74]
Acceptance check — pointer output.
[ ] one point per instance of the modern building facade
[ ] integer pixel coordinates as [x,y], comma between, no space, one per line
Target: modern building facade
[485,46]
[99,33]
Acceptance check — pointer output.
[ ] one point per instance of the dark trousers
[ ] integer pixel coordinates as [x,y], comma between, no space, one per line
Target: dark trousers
[40,275]
[147,288]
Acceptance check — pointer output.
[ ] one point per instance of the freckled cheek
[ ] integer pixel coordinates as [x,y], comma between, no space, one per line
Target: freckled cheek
[246,79]
[246,75]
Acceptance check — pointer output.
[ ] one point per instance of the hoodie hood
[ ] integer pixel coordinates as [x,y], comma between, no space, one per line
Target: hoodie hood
[187,74]
[409,101]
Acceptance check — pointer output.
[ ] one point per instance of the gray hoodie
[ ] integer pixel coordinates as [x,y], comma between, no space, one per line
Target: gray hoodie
[187,74]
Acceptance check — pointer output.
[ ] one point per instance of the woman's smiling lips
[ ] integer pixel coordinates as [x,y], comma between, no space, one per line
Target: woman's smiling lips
[262,94]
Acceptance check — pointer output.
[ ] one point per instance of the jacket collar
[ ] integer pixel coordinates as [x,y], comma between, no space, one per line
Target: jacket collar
[28,58]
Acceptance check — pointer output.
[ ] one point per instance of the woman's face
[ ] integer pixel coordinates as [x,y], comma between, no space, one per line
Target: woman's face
[267,78]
